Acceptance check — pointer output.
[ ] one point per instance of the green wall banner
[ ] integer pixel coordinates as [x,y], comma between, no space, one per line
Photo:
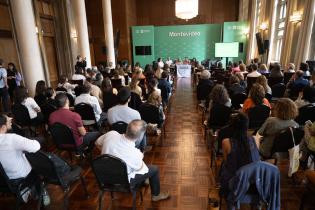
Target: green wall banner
[192,41]
[236,32]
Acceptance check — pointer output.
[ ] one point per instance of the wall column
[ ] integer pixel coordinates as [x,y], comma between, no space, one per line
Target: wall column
[28,45]
[82,30]
[108,29]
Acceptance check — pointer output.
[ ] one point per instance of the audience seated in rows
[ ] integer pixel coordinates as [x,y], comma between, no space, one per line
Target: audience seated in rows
[109,95]
[204,86]
[307,96]
[123,147]
[254,72]
[296,84]
[276,70]
[283,114]
[73,120]
[262,80]
[256,97]
[235,87]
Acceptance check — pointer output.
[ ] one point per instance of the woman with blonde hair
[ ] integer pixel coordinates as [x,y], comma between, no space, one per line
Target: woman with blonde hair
[262,80]
[283,114]
[263,69]
[134,86]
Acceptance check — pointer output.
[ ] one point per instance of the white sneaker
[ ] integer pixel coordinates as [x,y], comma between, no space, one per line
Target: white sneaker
[26,192]
[46,198]
[161,196]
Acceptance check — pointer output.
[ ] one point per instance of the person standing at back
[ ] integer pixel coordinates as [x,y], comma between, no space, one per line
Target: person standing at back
[4,88]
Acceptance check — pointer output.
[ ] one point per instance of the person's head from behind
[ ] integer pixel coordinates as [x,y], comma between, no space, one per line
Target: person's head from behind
[219,95]
[205,74]
[298,74]
[239,122]
[291,66]
[5,123]
[155,98]
[242,67]
[106,85]
[86,88]
[159,59]
[285,109]
[254,67]
[234,80]
[304,67]
[63,79]
[50,93]
[116,74]
[262,80]
[256,60]
[11,66]
[276,67]
[152,84]
[164,75]
[20,94]
[263,67]
[137,64]
[134,83]
[124,95]
[40,87]
[235,64]
[62,100]
[240,76]
[135,129]
[257,93]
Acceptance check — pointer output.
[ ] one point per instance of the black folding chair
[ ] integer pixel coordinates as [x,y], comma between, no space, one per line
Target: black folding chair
[274,80]
[50,173]
[63,138]
[287,76]
[87,114]
[116,83]
[238,99]
[120,127]
[257,116]
[22,118]
[77,82]
[135,101]
[6,186]
[112,176]
[278,90]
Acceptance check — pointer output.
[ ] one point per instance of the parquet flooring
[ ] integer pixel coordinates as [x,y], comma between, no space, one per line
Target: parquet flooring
[184,163]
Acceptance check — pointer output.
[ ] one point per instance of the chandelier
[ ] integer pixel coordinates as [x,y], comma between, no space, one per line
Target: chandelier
[186,9]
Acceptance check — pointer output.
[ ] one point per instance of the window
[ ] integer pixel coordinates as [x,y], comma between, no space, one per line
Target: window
[279,29]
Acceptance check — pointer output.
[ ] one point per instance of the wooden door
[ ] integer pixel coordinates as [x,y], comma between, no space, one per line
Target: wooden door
[50,51]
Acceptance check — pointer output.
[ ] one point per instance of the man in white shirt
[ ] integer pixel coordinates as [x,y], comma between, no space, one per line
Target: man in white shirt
[4,88]
[160,63]
[86,97]
[169,62]
[123,147]
[254,72]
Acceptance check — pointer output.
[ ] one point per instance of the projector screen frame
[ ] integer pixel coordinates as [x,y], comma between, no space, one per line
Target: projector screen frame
[229,55]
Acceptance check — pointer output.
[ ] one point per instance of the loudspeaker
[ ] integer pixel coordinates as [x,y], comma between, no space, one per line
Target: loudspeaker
[266,44]
[241,47]
[260,43]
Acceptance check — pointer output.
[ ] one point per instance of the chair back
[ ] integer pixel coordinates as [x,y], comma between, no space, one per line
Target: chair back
[149,113]
[77,82]
[257,115]
[203,90]
[278,90]
[238,99]
[86,112]
[287,76]
[43,166]
[62,136]
[284,140]
[61,89]
[274,80]
[135,101]
[47,109]
[250,82]
[116,83]
[306,113]
[111,173]
[120,127]
[21,115]
[219,116]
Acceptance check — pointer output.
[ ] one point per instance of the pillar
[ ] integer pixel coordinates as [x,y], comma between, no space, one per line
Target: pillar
[108,30]
[82,30]
[27,38]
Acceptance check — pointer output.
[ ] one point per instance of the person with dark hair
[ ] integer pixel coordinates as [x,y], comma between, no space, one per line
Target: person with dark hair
[283,114]
[81,62]
[40,93]
[86,97]
[165,87]
[95,91]
[64,84]
[123,146]
[73,120]
[256,97]
[235,68]
[152,85]
[14,79]
[51,94]
[306,97]
[297,83]
[305,68]
[254,72]
[219,95]
[4,88]
[79,74]
[235,87]
[13,160]
[22,97]
[276,70]
[238,150]
[122,112]
[110,98]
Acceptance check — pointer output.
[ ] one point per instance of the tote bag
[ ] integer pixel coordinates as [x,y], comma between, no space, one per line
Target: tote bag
[294,155]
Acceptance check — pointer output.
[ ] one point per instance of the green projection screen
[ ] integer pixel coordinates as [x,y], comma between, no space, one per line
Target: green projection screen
[226,50]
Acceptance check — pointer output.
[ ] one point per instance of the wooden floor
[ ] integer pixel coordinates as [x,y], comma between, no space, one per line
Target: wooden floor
[183,160]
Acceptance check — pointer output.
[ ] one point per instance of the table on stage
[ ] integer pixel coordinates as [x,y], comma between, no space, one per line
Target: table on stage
[183,70]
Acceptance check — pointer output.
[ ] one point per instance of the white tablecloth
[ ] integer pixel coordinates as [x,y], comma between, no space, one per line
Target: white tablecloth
[183,70]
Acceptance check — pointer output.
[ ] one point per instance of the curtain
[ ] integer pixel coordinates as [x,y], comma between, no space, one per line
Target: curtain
[288,35]
[305,33]
[271,34]
[252,31]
